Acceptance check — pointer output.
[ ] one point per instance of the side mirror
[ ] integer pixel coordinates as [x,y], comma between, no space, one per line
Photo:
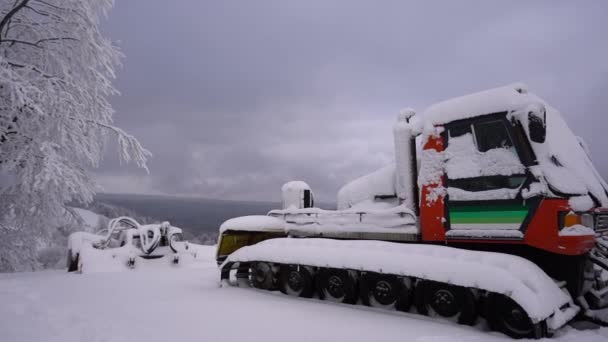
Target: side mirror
[537,126]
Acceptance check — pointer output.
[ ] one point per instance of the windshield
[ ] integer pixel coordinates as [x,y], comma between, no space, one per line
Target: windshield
[565,164]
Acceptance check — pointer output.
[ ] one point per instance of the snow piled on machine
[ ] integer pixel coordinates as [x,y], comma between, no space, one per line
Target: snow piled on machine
[514,96]
[463,160]
[294,195]
[565,163]
[431,174]
[126,244]
[254,223]
[563,158]
[393,183]
[366,216]
[510,275]
[576,230]
[94,260]
[457,194]
[368,187]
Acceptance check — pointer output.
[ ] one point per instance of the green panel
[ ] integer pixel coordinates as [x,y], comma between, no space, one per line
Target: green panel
[514,213]
[519,214]
[480,219]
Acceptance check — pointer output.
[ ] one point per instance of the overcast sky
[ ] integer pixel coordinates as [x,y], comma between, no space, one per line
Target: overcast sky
[234,99]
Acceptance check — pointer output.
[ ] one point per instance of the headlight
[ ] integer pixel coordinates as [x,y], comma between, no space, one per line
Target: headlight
[570,219]
[587,220]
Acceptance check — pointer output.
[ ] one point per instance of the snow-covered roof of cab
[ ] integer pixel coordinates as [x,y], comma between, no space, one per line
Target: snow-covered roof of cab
[507,98]
[564,162]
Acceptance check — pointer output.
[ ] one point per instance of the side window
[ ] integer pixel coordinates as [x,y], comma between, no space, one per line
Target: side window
[487,183]
[459,130]
[491,135]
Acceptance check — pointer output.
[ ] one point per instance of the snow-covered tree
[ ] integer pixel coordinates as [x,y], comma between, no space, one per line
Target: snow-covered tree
[56,72]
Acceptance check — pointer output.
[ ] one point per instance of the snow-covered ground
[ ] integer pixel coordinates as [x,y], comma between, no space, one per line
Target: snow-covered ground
[186,304]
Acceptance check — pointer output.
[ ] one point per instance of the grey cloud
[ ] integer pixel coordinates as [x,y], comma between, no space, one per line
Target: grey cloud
[234,99]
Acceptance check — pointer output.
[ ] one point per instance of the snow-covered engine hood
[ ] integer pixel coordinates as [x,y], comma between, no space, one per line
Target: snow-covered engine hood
[564,162]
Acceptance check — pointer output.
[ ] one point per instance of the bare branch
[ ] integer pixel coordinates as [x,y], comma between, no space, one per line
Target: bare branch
[62,9]
[50,5]
[46,14]
[36,44]
[11,14]
[55,39]
[15,41]
[8,23]
[42,73]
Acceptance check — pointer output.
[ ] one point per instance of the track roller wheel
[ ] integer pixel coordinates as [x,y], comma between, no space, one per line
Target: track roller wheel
[80,266]
[445,300]
[72,261]
[263,275]
[385,291]
[296,280]
[243,277]
[337,285]
[506,316]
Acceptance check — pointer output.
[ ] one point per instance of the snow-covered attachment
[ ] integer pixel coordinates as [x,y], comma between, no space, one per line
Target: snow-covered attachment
[125,244]
[440,281]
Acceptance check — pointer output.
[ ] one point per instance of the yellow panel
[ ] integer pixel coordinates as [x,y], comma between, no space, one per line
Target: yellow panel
[230,241]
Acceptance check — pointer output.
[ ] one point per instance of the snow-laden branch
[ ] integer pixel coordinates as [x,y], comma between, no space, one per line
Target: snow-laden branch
[130,149]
